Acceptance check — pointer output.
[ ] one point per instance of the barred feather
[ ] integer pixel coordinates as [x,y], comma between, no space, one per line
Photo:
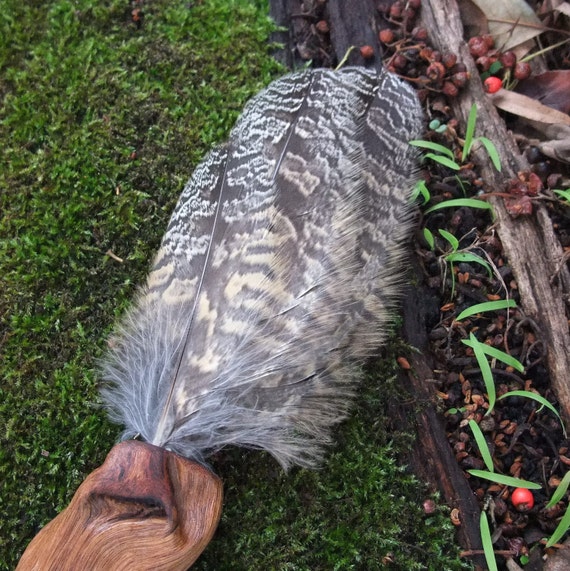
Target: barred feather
[276,273]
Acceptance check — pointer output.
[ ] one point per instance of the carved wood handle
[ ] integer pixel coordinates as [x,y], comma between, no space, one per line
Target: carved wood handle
[145,508]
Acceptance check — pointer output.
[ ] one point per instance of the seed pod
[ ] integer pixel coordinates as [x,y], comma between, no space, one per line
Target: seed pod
[460,79]
[322,26]
[522,70]
[478,47]
[508,59]
[449,89]
[435,71]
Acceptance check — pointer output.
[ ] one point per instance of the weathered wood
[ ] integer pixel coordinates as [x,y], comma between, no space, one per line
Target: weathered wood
[352,25]
[431,457]
[145,508]
[529,242]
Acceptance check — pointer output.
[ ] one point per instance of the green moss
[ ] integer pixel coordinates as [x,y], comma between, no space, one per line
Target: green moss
[102,121]
[360,512]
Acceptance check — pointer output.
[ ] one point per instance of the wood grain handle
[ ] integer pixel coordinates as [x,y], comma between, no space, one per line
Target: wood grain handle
[145,508]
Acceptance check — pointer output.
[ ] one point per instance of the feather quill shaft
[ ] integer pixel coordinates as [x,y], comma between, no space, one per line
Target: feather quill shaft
[276,273]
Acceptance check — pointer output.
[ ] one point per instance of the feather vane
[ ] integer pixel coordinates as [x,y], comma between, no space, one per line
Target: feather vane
[276,274]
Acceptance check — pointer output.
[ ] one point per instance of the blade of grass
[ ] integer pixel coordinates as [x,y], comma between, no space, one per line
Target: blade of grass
[433,147]
[456,202]
[487,542]
[491,151]
[469,132]
[443,161]
[537,398]
[500,355]
[504,480]
[453,241]
[482,444]
[560,491]
[560,530]
[565,194]
[470,258]
[485,370]
[486,306]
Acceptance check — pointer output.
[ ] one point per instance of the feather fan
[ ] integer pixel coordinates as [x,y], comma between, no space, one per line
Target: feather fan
[274,281]
[275,275]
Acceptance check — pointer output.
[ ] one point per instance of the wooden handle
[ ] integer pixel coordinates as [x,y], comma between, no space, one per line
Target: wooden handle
[145,508]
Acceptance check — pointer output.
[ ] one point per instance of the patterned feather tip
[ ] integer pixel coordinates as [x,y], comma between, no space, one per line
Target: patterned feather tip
[276,275]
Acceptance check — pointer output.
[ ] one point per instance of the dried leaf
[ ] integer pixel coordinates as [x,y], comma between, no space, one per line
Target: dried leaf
[558,145]
[510,23]
[474,20]
[551,88]
[563,8]
[528,108]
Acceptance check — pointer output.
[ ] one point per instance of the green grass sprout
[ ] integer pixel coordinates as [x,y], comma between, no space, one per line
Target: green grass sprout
[421,189]
[560,491]
[500,355]
[429,238]
[538,398]
[560,530]
[457,202]
[504,480]
[487,541]
[485,369]
[486,306]
[470,141]
[482,444]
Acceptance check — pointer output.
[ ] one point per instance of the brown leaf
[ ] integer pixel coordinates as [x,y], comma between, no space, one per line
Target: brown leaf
[510,23]
[529,108]
[551,88]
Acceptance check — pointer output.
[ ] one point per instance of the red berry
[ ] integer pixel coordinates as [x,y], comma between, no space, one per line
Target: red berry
[419,34]
[386,36]
[492,84]
[396,10]
[484,62]
[435,71]
[367,52]
[522,499]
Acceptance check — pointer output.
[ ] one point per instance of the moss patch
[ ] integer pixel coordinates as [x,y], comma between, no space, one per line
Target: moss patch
[102,120]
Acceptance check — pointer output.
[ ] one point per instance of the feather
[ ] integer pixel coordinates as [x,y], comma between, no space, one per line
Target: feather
[276,275]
